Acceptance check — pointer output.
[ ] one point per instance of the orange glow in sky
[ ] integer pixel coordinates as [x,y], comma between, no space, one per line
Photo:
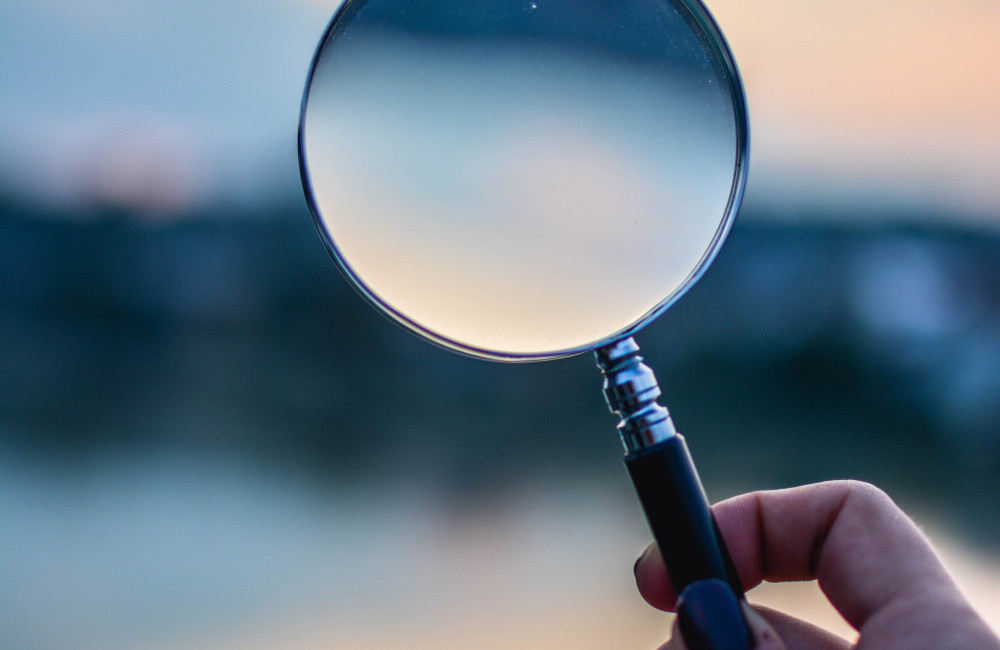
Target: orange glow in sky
[896,95]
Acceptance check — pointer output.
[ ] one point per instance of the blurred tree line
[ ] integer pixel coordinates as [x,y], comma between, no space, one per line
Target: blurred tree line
[806,352]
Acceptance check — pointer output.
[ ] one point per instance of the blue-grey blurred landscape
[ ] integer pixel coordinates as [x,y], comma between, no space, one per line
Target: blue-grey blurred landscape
[208,439]
[853,351]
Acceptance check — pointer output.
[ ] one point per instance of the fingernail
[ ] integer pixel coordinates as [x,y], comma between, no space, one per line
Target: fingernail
[709,617]
[638,561]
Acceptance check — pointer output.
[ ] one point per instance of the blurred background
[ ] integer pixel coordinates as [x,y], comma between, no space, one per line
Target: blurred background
[208,440]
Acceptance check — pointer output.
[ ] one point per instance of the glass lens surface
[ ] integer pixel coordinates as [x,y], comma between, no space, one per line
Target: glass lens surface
[523,179]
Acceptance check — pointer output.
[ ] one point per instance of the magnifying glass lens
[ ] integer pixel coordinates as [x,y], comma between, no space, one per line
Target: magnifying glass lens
[524,179]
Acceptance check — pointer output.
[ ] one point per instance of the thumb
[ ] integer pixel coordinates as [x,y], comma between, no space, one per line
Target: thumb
[765,637]
[711,617]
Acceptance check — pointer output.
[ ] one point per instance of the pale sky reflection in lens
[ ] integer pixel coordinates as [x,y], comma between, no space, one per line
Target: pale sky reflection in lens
[514,196]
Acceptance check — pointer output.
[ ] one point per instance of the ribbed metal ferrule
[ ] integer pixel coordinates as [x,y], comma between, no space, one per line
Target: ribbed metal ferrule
[631,391]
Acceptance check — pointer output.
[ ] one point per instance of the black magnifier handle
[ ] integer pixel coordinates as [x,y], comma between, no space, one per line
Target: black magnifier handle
[677,511]
[663,473]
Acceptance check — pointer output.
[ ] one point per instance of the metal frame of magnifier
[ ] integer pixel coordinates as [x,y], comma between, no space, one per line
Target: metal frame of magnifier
[704,23]
[656,455]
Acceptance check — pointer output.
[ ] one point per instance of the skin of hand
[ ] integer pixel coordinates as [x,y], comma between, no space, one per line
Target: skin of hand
[871,561]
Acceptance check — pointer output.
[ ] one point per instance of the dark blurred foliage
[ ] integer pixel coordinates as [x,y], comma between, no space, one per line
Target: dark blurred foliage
[807,352]
[632,29]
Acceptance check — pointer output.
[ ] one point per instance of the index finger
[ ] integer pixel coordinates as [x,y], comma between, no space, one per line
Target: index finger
[867,555]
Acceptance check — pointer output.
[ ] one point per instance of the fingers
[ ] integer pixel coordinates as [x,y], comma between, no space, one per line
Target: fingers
[652,581]
[797,634]
[765,636]
[847,534]
[871,560]
[865,552]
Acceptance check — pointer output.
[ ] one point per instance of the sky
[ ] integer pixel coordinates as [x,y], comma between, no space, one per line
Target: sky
[173,104]
[869,98]
[201,94]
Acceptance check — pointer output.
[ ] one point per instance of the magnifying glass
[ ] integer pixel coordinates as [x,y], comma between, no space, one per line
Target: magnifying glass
[521,180]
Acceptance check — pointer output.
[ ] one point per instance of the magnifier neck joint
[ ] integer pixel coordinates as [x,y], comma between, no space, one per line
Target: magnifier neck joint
[631,391]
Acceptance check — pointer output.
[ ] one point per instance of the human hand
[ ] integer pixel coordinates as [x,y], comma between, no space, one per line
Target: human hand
[877,569]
